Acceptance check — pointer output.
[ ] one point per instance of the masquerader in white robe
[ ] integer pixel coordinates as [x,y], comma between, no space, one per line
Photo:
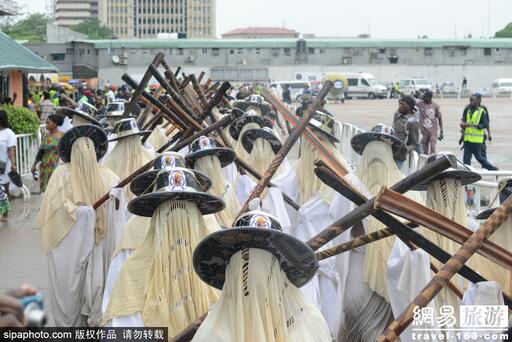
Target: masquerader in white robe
[320,206]
[367,310]
[156,285]
[205,156]
[78,240]
[128,155]
[262,146]
[260,299]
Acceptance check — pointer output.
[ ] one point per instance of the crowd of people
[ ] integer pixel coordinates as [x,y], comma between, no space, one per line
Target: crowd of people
[174,245]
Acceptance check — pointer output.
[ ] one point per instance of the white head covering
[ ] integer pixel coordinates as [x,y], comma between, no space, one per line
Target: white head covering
[66,125]
[258,303]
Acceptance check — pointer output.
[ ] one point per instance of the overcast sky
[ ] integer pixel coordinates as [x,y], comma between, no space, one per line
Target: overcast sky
[382,19]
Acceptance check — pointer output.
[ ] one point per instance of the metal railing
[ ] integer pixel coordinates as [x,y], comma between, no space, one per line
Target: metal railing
[26,150]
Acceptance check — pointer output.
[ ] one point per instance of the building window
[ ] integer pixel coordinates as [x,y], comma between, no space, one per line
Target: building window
[58,56]
[232,52]
[382,50]
[322,51]
[240,51]
[180,51]
[215,52]
[204,51]
[287,51]
[70,51]
[258,51]
[311,51]
[487,51]
[428,52]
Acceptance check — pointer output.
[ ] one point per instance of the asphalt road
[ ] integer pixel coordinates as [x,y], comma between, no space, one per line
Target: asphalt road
[22,259]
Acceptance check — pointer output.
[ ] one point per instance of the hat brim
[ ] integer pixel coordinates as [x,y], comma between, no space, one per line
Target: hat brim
[243,105]
[360,141]
[329,135]
[236,127]
[93,132]
[251,135]
[145,205]
[71,112]
[15,178]
[141,133]
[464,176]
[213,253]
[143,183]
[225,155]
[484,215]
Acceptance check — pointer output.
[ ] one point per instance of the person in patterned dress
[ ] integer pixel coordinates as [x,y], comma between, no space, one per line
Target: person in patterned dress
[48,154]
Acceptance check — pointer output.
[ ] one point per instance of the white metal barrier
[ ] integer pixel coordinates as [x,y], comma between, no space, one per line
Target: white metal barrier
[26,150]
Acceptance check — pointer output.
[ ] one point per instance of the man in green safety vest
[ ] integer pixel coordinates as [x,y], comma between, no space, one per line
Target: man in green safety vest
[474,122]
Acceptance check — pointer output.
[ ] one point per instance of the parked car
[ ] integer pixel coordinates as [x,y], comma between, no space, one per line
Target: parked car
[502,86]
[296,88]
[361,84]
[411,86]
[448,89]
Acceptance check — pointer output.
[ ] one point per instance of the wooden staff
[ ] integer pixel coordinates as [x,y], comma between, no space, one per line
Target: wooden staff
[399,228]
[224,121]
[287,145]
[448,271]
[196,126]
[170,114]
[365,210]
[411,210]
[131,106]
[149,108]
[200,77]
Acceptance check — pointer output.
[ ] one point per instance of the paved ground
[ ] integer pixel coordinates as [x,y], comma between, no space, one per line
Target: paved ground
[22,259]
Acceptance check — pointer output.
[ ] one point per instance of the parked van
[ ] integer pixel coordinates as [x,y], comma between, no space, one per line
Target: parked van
[296,89]
[361,84]
[502,86]
[412,85]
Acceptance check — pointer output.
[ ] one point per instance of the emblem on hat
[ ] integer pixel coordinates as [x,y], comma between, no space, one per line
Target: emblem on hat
[177,181]
[167,161]
[260,221]
[204,143]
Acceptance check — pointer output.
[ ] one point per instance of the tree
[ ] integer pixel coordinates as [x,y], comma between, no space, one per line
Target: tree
[506,32]
[33,28]
[93,29]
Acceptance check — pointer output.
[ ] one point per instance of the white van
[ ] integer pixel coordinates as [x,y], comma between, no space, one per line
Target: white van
[502,86]
[296,89]
[361,84]
[410,86]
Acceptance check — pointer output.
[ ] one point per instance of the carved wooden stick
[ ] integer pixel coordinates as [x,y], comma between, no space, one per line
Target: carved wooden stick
[448,271]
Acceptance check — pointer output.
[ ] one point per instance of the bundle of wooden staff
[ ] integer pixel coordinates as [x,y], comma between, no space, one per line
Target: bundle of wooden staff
[188,108]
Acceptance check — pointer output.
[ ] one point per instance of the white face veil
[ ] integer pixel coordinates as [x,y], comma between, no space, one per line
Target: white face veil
[210,165]
[309,183]
[377,169]
[158,280]
[258,303]
[127,157]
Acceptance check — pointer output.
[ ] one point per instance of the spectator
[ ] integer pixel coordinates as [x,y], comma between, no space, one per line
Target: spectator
[464,86]
[286,94]
[474,122]
[7,162]
[30,102]
[406,124]
[110,95]
[431,123]
[11,310]
[46,107]
[48,154]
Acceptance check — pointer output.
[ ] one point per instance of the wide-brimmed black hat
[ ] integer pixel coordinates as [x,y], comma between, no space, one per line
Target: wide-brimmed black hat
[324,123]
[254,101]
[75,112]
[254,229]
[168,160]
[177,184]
[93,132]
[125,128]
[236,126]
[205,146]
[250,136]
[505,190]
[460,172]
[382,133]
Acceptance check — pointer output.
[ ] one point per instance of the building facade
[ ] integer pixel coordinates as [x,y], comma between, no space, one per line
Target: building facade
[148,18]
[72,12]
[480,60]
